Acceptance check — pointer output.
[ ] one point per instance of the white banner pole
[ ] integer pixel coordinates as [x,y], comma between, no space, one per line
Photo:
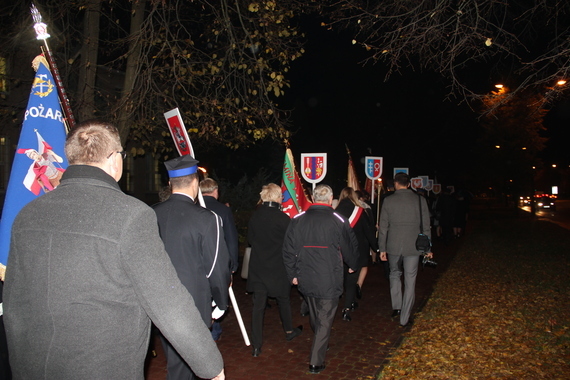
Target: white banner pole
[239,318]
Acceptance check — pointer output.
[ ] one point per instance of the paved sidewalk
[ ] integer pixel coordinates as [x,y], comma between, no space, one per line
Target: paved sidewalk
[358,349]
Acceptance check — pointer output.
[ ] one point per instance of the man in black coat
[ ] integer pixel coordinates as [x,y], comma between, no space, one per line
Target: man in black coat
[209,189]
[194,240]
[210,192]
[316,244]
[267,276]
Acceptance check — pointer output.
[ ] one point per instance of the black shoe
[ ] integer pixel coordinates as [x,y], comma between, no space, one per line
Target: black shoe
[304,314]
[353,306]
[396,313]
[295,333]
[346,315]
[410,322]
[256,352]
[316,368]
[358,291]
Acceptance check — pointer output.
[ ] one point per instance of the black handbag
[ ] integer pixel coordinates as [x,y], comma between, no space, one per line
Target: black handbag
[423,243]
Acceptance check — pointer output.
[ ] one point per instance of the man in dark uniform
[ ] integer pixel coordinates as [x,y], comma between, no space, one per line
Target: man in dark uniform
[209,189]
[315,246]
[194,240]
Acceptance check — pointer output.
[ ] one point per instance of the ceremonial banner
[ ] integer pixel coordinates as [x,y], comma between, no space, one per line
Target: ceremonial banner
[401,170]
[429,186]
[352,180]
[436,188]
[178,132]
[425,180]
[373,169]
[40,159]
[294,199]
[416,183]
[313,167]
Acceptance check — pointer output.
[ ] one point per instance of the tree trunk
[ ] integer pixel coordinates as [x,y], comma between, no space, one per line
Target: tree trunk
[88,68]
[124,112]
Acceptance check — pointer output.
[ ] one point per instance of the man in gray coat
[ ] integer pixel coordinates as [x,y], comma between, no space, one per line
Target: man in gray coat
[398,231]
[87,273]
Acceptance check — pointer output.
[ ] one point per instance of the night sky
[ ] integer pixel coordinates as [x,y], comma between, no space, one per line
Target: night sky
[409,119]
[406,120]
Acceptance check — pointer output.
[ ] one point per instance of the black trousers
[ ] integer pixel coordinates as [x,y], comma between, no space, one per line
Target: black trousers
[321,316]
[350,280]
[258,314]
[175,365]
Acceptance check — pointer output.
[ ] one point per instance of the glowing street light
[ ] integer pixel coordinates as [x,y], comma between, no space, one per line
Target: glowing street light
[561,82]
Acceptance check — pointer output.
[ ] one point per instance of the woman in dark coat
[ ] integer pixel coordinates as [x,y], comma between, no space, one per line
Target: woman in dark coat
[267,276]
[363,227]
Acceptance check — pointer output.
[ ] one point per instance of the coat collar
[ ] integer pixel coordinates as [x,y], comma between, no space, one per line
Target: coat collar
[272,204]
[182,197]
[88,172]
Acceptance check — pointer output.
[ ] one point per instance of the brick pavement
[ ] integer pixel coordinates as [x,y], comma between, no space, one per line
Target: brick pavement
[358,349]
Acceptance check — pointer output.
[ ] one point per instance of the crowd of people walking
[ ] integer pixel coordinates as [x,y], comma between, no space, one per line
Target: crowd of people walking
[93,285]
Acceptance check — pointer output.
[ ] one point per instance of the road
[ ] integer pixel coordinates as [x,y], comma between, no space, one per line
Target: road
[561,216]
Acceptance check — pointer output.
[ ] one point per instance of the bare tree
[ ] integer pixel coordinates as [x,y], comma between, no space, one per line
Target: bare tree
[525,43]
[85,104]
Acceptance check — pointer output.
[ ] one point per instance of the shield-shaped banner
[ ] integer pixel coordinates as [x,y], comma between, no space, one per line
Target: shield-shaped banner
[436,188]
[416,183]
[313,166]
[425,180]
[429,185]
[373,167]
[178,132]
[401,170]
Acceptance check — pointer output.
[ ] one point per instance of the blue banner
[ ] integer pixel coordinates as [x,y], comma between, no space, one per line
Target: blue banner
[39,160]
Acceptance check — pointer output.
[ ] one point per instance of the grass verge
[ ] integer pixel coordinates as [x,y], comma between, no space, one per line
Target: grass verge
[501,310]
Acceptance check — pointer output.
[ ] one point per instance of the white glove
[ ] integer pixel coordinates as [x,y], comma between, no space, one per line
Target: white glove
[217,313]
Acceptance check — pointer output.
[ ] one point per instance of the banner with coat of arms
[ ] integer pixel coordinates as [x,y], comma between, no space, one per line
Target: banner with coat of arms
[436,188]
[40,159]
[373,167]
[416,183]
[178,132]
[313,167]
